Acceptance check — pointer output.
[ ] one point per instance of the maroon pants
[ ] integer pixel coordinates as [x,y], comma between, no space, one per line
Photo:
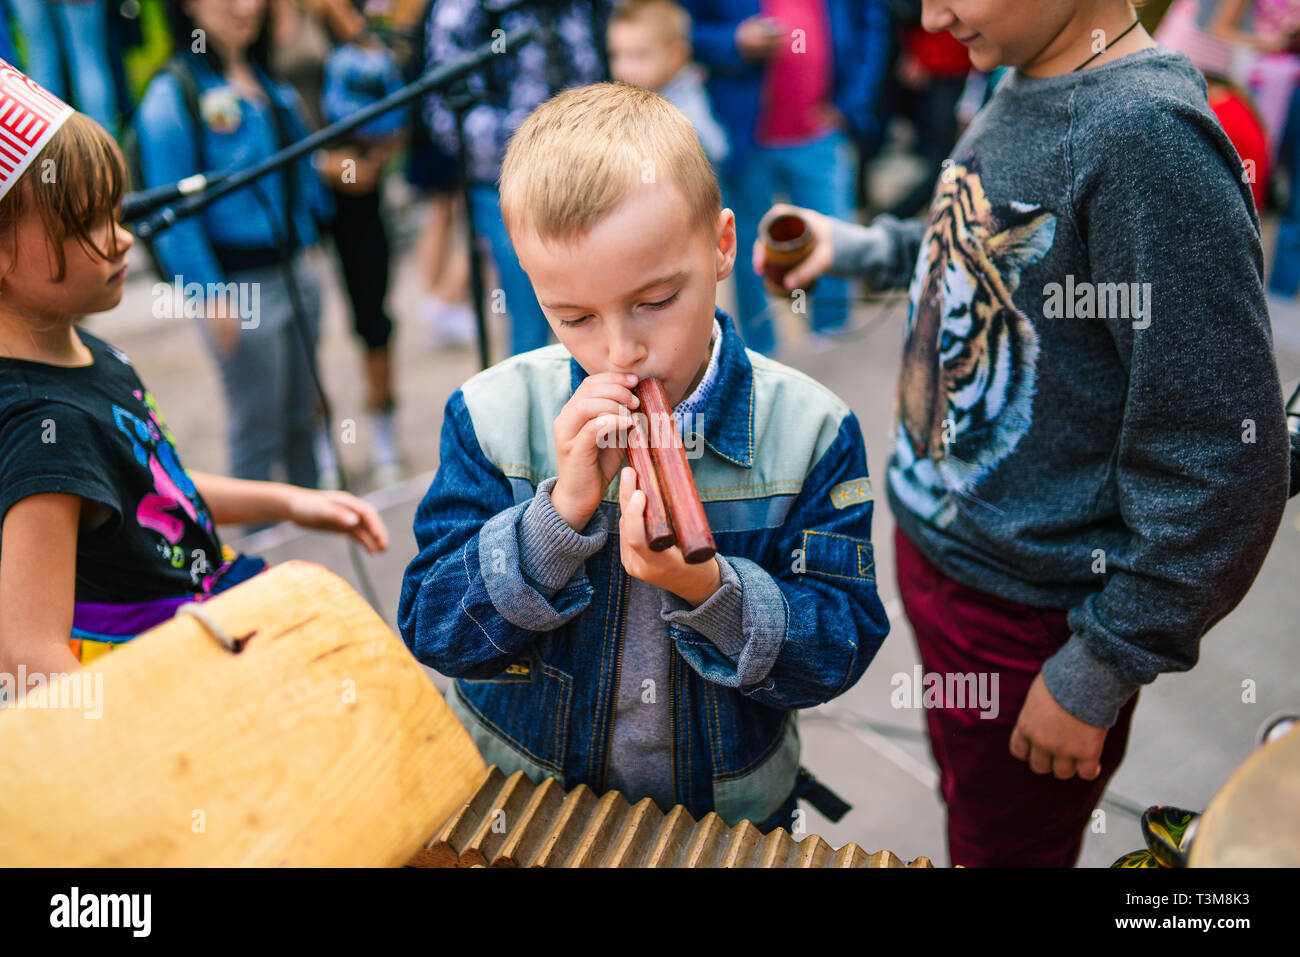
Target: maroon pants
[1000,813]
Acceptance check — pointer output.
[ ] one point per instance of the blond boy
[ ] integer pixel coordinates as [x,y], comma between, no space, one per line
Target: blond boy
[578,651]
[650,46]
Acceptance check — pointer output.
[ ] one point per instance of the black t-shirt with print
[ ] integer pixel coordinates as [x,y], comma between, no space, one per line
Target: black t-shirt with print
[94,431]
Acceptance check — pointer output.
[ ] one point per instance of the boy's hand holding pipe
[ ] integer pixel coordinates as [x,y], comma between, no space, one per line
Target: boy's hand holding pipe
[668,568]
[588,449]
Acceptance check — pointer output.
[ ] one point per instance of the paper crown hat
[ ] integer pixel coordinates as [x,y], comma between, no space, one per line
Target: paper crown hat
[29,116]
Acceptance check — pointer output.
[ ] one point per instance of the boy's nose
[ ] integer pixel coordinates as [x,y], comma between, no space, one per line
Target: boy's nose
[625,353]
[936,16]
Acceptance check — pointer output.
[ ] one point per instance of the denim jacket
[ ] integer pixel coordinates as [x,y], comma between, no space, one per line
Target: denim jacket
[782,473]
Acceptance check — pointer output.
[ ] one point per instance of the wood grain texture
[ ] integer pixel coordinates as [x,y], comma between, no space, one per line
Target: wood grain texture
[322,743]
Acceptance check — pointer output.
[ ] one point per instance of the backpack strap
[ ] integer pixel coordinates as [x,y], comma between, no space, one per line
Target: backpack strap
[179,69]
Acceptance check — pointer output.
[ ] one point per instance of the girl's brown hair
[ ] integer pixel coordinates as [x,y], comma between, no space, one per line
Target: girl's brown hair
[75,184]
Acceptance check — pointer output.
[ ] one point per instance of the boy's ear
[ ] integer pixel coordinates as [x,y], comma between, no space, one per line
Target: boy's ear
[680,54]
[724,253]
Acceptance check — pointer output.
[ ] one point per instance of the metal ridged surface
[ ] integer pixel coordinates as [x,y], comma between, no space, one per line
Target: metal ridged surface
[511,822]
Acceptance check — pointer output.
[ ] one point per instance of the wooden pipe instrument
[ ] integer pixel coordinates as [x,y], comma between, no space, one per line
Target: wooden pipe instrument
[674,513]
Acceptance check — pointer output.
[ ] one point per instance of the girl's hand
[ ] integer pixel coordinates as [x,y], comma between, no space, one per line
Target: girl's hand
[819,260]
[329,511]
[1052,739]
[667,569]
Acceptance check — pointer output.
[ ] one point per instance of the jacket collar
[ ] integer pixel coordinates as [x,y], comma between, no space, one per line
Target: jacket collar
[727,424]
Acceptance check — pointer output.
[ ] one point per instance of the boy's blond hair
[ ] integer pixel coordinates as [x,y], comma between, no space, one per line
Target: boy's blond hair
[577,156]
[671,19]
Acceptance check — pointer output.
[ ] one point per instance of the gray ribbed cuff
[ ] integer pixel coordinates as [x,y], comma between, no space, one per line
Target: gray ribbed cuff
[1086,686]
[550,552]
[719,618]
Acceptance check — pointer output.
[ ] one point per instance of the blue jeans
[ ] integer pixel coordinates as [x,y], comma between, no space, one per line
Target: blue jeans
[816,175]
[1285,280]
[528,327]
[75,34]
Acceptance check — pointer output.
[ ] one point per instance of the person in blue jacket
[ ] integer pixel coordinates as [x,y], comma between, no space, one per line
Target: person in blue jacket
[795,83]
[230,251]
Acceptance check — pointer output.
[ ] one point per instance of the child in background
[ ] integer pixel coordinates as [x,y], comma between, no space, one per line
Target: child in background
[104,532]
[796,84]
[650,47]
[357,75]
[579,652]
[1090,458]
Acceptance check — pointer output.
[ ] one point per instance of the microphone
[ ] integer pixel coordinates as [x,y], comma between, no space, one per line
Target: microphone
[141,203]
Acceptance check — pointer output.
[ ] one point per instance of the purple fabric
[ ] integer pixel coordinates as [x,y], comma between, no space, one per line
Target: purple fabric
[125,621]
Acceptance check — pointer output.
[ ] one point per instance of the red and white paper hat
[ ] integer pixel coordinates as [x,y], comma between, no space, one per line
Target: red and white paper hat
[29,116]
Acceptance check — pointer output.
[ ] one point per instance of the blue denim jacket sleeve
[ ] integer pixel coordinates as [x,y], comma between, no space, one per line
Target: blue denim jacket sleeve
[467,609]
[168,153]
[804,628]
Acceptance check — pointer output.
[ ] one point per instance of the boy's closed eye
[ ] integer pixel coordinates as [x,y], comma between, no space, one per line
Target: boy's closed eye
[661,304]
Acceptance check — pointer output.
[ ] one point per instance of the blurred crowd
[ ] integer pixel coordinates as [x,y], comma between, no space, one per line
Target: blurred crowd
[796,100]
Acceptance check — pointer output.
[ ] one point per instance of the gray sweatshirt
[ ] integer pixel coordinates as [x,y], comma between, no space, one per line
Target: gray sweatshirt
[1089,414]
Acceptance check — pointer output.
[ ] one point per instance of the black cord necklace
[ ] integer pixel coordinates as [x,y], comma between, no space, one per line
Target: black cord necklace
[1111,44]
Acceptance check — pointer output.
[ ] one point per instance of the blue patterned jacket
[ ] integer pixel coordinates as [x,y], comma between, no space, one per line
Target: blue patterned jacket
[515,83]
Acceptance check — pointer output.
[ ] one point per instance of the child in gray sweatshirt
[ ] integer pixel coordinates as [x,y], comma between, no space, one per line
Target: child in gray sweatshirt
[1090,456]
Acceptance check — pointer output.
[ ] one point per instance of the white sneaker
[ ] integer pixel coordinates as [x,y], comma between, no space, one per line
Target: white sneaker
[385,458]
[449,323]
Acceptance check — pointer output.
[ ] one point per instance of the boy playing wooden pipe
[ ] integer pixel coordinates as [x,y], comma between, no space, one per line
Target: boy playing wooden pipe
[578,651]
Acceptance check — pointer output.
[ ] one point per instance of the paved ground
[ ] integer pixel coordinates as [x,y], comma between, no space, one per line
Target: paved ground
[1190,730]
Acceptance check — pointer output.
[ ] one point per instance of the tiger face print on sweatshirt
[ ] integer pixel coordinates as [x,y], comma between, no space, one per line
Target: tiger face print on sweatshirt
[969,370]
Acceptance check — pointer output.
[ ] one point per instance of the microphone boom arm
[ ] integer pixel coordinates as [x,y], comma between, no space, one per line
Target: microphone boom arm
[442,76]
